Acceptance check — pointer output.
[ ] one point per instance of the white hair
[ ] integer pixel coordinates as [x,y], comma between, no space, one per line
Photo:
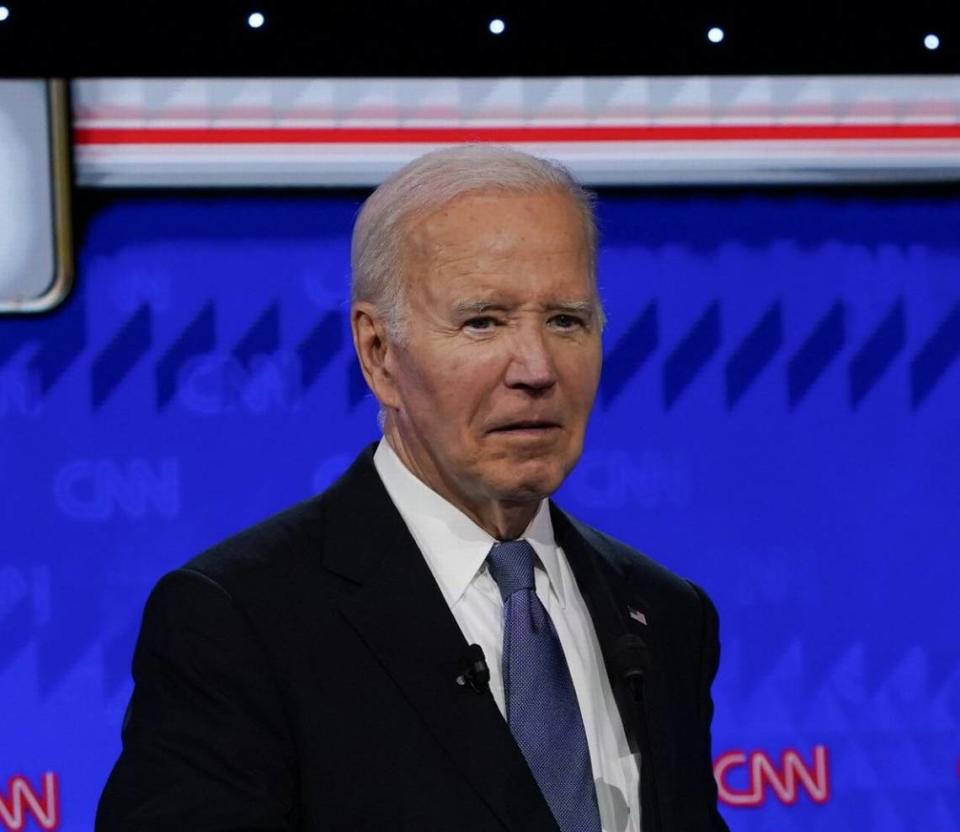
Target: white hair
[423,187]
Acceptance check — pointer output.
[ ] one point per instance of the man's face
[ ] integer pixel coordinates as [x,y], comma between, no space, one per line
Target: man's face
[498,371]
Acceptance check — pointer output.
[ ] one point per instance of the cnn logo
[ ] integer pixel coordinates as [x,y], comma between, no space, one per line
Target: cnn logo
[22,800]
[764,776]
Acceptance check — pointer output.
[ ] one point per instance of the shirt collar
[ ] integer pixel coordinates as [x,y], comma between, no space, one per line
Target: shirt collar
[455,547]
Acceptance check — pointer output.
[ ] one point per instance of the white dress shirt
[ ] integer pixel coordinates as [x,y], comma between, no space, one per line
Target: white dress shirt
[456,549]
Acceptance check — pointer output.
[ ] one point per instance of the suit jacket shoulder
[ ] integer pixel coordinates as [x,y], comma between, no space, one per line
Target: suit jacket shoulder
[673,597]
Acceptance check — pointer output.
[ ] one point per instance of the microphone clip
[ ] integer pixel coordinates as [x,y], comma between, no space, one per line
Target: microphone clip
[476,675]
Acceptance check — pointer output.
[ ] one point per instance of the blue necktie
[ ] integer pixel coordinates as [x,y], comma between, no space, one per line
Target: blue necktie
[542,709]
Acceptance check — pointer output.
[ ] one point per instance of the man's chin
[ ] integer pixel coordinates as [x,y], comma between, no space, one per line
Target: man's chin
[528,483]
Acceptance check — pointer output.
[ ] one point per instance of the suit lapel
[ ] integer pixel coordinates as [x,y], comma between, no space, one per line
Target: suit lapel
[611,593]
[402,617]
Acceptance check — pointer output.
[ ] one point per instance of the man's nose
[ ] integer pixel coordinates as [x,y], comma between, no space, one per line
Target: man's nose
[531,363]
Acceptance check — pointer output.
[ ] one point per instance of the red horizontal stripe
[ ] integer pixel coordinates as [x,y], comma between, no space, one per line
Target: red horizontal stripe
[449,135]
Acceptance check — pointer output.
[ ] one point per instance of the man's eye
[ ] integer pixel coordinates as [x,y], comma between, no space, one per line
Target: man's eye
[566,321]
[484,322]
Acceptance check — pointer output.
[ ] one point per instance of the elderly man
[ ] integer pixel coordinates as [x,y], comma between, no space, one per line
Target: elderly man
[431,644]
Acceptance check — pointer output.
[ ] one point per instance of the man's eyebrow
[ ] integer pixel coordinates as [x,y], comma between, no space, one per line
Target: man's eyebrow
[584,308]
[577,307]
[478,307]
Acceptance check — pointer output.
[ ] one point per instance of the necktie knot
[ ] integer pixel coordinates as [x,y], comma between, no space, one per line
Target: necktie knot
[511,566]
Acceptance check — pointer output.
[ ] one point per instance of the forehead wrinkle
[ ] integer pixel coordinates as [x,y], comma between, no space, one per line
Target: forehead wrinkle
[482,264]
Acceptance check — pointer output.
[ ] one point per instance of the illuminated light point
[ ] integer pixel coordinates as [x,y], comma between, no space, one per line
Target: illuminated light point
[715,34]
[931,41]
[256,20]
[4,13]
[497,26]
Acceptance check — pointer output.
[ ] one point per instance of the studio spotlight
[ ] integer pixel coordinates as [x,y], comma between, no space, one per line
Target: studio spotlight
[931,41]
[497,26]
[715,34]
[256,20]
[4,13]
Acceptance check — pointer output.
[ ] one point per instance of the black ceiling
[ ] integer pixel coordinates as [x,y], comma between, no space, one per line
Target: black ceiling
[366,38]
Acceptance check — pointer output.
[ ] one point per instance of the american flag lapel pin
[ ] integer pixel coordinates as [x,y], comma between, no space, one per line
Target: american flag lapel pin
[636,615]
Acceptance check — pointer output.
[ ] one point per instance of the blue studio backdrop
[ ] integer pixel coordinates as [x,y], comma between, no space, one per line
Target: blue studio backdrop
[779,420]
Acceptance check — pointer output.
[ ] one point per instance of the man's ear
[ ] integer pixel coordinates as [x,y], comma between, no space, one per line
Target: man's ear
[374,351]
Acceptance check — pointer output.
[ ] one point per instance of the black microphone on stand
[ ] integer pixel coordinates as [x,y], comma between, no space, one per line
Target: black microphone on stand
[630,661]
[476,674]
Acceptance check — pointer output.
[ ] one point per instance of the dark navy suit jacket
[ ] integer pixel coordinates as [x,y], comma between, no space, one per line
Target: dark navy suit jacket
[301,676]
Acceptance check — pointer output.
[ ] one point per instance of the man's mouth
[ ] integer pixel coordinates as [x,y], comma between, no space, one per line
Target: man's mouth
[526,426]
